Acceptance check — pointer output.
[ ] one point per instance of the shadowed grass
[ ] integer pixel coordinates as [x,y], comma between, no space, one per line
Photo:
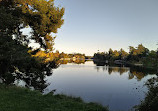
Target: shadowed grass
[14,98]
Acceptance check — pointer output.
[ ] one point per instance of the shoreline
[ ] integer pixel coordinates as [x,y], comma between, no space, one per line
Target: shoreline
[13,98]
[124,63]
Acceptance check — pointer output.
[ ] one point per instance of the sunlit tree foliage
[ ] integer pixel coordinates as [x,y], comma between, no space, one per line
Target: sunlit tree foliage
[16,61]
[40,15]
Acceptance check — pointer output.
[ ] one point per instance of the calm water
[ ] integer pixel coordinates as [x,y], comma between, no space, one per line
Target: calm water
[120,88]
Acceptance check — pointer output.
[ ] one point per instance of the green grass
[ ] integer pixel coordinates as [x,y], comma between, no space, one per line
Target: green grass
[14,98]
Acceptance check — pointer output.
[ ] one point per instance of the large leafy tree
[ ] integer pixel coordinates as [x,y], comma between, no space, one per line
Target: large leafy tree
[17,64]
[40,15]
[15,61]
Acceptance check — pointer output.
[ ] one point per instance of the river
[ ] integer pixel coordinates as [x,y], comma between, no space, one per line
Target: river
[119,88]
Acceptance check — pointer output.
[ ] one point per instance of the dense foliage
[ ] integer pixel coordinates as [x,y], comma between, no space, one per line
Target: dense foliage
[150,103]
[76,55]
[138,55]
[40,15]
[17,64]
[17,61]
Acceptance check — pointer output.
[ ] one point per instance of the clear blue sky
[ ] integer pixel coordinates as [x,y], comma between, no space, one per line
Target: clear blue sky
[92,25]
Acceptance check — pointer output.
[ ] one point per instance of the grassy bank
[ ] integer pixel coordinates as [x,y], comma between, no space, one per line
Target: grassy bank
[13,98]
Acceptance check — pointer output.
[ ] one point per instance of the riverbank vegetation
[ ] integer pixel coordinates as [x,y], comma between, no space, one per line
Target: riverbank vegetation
[150,103]
[14,98]
[140,55]
[58,57]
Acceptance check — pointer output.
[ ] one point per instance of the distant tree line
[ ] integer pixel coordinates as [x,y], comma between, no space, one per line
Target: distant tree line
[56,56]
[76,55]
[139,54]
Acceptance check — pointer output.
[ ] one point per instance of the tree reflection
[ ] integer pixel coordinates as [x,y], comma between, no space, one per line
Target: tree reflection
[133,71]
[120,70]
[138,75]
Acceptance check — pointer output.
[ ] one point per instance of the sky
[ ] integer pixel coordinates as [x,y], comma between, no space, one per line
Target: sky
[92,25]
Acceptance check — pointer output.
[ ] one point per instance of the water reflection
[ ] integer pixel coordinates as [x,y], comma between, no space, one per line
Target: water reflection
[123,70]
[120,88]
[137,72]
[133,71]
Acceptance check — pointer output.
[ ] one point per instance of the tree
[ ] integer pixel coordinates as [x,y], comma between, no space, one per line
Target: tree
[137,53]
[17,64]
[140,49]
[132,50]
[123,54]
[40,15]
[110,51]
[116,53]
[152,54]
[15,61]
